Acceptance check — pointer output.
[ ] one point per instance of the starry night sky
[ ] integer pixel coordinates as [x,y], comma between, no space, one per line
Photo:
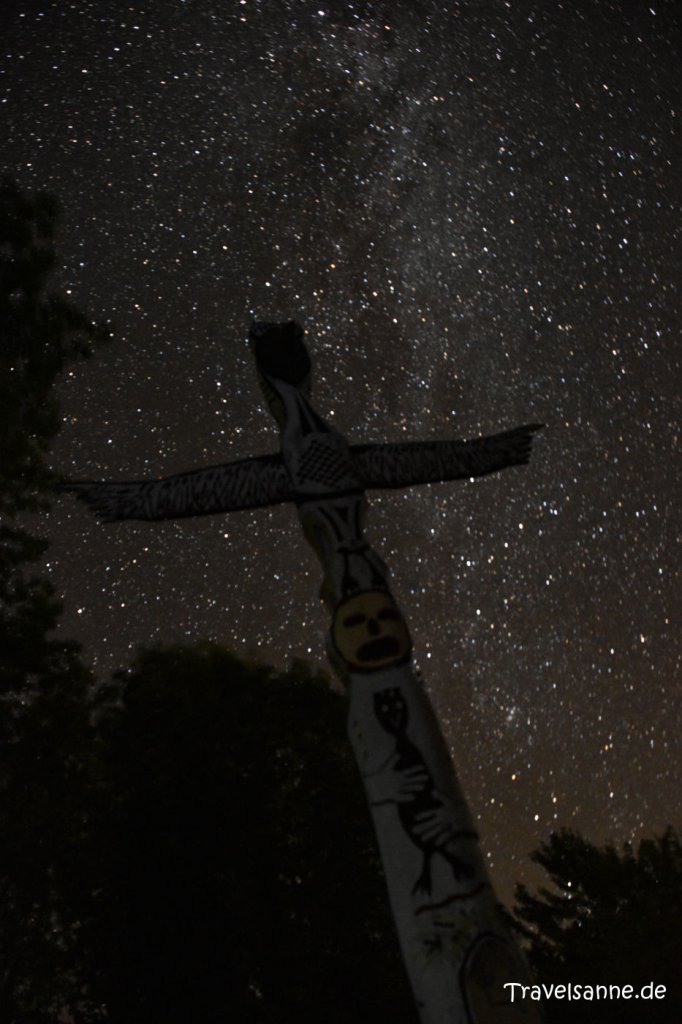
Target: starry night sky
[474,209]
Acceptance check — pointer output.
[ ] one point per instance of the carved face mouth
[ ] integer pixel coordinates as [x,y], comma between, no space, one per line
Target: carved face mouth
[377,650]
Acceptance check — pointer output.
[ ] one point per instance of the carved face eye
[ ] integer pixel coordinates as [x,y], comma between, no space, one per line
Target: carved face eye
[389,614]
[369,632]
[354,620]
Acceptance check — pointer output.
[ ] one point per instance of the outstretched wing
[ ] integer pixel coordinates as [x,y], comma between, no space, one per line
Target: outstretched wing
[423,462]
[262,481]
[236,485]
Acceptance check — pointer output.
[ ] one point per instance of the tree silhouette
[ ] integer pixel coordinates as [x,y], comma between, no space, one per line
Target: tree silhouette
[45,747]
[233,862]
[610,918]
[39,332]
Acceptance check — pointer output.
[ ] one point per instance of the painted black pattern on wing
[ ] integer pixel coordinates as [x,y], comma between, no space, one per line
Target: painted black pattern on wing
[422,462]
[248,483]
[261,481]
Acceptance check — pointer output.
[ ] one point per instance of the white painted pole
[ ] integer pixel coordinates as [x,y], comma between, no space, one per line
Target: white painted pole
[457,951]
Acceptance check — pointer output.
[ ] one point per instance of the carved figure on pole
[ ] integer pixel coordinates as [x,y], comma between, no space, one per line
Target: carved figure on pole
[456,950]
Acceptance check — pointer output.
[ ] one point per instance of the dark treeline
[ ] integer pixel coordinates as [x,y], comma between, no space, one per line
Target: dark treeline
[190,842]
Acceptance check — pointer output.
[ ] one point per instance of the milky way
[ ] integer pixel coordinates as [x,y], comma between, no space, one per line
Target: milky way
[474,209]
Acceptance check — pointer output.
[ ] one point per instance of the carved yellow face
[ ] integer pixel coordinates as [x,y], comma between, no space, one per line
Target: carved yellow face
[369,632]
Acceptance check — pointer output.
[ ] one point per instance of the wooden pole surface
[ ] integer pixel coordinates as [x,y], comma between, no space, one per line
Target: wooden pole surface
[456,949]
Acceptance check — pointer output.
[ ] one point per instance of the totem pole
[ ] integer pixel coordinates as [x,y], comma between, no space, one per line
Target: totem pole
[456,949]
